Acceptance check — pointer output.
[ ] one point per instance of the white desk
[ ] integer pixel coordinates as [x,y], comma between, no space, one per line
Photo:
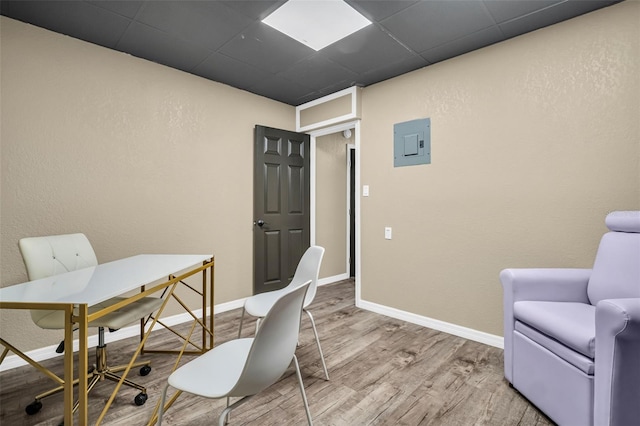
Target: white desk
[149,273]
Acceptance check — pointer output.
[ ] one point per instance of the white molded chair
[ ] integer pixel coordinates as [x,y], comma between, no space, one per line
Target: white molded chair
[245,367]
[57,254]
[308,269]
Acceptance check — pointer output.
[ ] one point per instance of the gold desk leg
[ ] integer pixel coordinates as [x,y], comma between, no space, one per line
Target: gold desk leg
[68,365]
[83,365]
[204,309]
[211,291]
[125,373]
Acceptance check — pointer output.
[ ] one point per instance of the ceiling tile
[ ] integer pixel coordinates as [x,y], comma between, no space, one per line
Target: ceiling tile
[379,9]
[127,8]
[309,97]
[391,70]
[366,49]
[280,89]
[221,68]
[210,24]
[502,10]
[426,25]
[317,72]
[463,45]
[266,48]
[335,88]
[549,16]
[256,10]
[145,42]
[76,19]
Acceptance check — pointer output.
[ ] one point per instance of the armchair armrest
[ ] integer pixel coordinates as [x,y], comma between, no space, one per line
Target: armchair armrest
[543,284]
[546,284]
[617,369]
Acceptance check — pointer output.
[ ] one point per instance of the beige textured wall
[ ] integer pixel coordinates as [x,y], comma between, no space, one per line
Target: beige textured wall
[331,202]
[140,157]
[534,140]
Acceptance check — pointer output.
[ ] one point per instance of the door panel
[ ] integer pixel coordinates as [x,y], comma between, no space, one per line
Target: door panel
[281,205]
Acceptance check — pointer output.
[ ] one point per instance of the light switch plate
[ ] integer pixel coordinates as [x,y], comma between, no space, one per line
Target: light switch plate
[387,233]
[365,190]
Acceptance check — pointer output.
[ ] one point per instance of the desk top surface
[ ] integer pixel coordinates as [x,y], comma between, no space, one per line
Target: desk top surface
[98,283]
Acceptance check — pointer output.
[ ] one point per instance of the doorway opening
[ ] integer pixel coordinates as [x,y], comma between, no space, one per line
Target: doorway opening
[351,193]
[334,194]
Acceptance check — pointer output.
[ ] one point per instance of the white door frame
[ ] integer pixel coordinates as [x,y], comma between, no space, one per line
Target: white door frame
[355,127]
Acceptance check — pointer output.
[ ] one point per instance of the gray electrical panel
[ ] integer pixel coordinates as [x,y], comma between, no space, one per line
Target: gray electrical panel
[412,142]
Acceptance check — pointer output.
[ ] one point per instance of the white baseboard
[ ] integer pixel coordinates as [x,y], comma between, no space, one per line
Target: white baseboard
[42,354]
[48,352]
[456,330]
[333,279]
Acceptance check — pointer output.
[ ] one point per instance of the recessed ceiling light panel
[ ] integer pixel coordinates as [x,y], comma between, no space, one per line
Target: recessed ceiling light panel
[316,23]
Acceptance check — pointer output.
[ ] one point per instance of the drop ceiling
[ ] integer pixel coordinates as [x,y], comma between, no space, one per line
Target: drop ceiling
[225,41]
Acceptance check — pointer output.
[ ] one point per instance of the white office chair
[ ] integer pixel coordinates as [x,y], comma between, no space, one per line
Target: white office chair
[52,255]
[308,269]
[245,367]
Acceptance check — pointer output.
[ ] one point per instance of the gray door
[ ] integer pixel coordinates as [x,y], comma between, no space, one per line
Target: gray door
[280,206]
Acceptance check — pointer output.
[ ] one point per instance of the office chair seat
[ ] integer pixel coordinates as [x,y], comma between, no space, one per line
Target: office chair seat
[54,320]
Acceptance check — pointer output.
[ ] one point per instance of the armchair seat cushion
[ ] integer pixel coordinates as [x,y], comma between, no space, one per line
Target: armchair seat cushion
[572,324]
[581,362]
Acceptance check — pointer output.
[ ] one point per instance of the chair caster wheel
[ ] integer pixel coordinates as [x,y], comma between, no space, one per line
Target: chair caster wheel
[145,370]
[140,399]
[33,408]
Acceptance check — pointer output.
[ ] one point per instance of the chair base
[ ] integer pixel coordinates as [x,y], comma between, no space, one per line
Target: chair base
[561,391]
[100,372]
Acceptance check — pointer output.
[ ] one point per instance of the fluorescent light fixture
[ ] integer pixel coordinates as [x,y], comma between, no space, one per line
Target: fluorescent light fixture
[316,23]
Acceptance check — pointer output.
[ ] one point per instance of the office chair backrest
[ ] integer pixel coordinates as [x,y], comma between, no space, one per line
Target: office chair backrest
[53,255]
[274,345]
[308,269]
[56,254]
[616,270]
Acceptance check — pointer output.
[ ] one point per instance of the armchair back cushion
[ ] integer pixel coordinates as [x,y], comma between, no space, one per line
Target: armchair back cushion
[616,270]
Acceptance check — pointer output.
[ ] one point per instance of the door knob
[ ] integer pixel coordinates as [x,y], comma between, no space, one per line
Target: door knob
[260,223]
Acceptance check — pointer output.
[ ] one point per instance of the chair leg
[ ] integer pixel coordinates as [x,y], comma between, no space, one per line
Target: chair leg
[315,332]
[54,391]
[241,319]
[92,383]
[115,378]
[161,407]
[224,416]
[119,368]
[304,394]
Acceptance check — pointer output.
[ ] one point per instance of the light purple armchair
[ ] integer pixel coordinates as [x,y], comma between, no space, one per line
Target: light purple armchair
[572,336]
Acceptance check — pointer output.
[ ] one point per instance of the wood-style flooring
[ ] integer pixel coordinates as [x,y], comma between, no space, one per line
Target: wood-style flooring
[383,372]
